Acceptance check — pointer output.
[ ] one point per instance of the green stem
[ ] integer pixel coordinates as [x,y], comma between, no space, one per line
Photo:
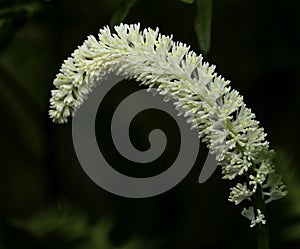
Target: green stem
[262,230]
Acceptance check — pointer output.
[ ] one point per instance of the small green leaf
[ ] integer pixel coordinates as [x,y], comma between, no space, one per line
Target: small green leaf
[122,12]
[202,24]
[188,1]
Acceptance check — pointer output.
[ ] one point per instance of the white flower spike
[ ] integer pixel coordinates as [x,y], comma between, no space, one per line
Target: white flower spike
[224,122]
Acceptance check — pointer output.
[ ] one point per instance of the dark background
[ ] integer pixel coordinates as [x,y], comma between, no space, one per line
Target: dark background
[47,201]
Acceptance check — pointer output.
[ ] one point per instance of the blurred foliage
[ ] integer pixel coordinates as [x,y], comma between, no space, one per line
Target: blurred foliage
[203,20]
[291,230]
[254,43]
[13,17]
[188,1]
[122,12]
[62,227]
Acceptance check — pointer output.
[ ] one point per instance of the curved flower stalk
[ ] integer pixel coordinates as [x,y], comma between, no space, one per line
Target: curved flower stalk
[224,122]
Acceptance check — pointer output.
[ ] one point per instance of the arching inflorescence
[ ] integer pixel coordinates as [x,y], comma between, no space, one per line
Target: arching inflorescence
[219,113]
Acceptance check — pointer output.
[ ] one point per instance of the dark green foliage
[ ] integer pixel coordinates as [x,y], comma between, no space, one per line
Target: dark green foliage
[63,227]
[188,1]
[255,44]
[13,17]
[203,20]
[290,231]
[122,11]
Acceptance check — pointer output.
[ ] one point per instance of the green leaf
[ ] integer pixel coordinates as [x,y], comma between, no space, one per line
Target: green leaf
[202,24]
[188,1]
[122,12]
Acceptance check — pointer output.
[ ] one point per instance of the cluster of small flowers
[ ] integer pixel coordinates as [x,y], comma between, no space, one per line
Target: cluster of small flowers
[224,122]
[255,219]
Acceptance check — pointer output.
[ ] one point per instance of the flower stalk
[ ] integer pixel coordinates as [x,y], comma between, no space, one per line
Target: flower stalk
[262,230]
